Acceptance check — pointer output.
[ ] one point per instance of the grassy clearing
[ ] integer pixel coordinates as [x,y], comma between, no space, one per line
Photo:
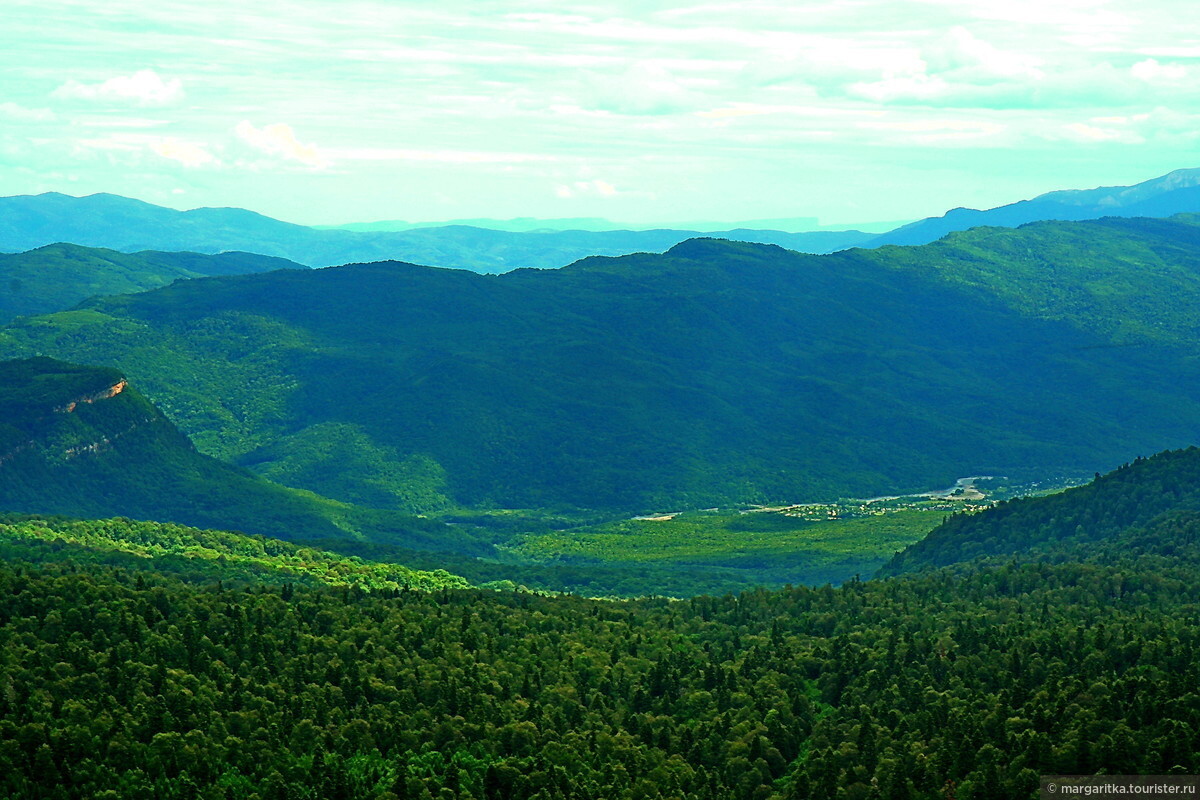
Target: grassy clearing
[767,548]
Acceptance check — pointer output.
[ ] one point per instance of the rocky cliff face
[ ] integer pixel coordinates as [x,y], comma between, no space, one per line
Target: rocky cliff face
[105,394]
[82,442]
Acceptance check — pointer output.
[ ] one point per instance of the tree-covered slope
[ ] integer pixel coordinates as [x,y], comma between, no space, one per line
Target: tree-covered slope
[81,441]
[1128,502]
[716,372]
[57,276]
[118,684]
[195,555]
[1132,281]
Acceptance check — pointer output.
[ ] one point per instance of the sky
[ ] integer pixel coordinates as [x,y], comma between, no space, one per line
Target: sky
[333,111]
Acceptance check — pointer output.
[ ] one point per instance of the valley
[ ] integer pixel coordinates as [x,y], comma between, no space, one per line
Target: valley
[599,401]
[714,551]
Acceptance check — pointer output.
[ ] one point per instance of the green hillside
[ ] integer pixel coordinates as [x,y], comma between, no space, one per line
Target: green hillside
[80,441]
[1150,492]
[716,373]
[197,555]
[1133,281]
[57,276]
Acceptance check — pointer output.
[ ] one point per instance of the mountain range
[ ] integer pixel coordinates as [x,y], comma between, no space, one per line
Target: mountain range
[119,223]
[717,372]
[1042,636]
[530,224]
[1175,193]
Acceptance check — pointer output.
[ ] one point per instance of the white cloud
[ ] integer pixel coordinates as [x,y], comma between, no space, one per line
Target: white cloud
[907,88]
[438,156]
[1151,71]
[1161,125]
[121,122]
[592,188]
[1086,132]
[130,148]
[189,154]
[144,87]
[644,88]
[20,113]
[280,140]
[735,110]
[940,132]
[958,68]
[969,58]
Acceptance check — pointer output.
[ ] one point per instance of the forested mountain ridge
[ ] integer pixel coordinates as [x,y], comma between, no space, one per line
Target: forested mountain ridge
[718,372]
[82,441]
[1131,280]
[57,276]
[1156,494]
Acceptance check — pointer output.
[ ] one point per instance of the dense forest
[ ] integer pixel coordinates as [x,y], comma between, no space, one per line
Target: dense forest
[120,684]
[57,276]
[82,441]
[226,666]
[1136,495]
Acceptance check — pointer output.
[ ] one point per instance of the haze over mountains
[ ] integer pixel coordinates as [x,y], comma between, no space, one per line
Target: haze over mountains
[119,223]
[1174,193]
[528,224]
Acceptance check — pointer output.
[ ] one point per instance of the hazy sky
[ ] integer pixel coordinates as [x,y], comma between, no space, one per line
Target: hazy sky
[849,110]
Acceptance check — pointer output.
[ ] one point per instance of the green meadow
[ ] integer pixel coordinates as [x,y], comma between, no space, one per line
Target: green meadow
[827,543]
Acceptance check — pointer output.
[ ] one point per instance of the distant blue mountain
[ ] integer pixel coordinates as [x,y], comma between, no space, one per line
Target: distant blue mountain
[1174,193]
[120,223]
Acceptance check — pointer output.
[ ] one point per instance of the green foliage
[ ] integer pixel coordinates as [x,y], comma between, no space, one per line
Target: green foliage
[1133,281]
[367,474]
[78,441]
[717,373]
[121,684]
[58,276]
[1131,497]
[709,550]
[207,555]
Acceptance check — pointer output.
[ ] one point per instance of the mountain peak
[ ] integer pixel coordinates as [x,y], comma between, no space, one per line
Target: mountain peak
[1164,196]
[703,247]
